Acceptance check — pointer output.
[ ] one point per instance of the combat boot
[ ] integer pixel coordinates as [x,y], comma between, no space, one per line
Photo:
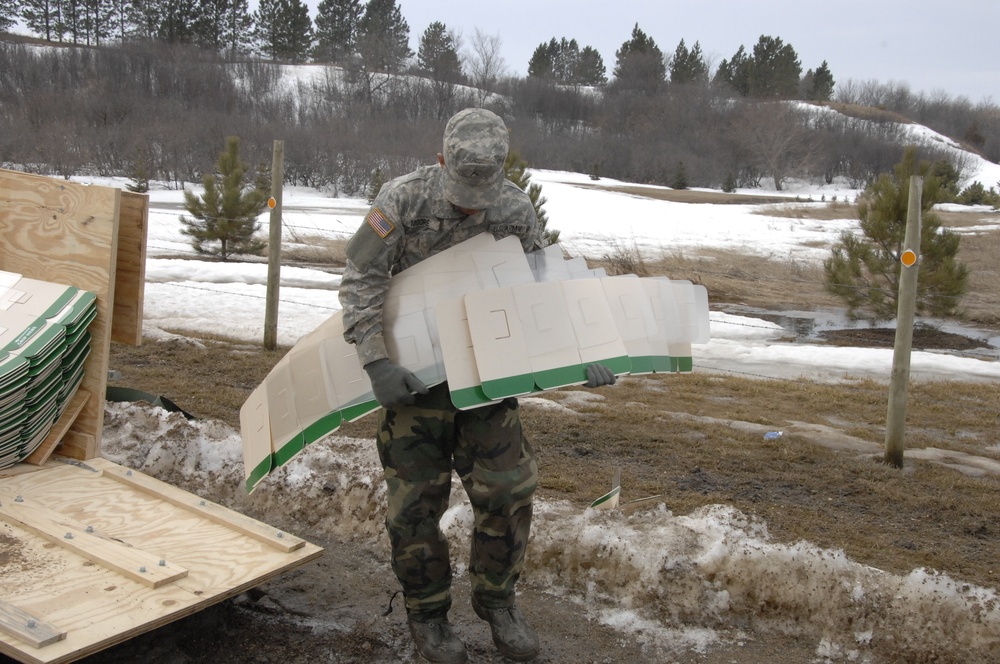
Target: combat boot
[437,643]
[512,635]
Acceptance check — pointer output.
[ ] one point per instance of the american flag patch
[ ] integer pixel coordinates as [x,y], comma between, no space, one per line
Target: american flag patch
[379,223]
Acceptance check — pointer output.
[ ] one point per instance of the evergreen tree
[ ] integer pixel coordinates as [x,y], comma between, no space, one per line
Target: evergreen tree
[438,59]
[378,181]
[821,84]
[864,270]
[564,62]
[437,56]
[735,73]
[543,60]
[383,37]
[729,184]
[688,66]
[639,64]
[336,30]
[178,21]
[144,18]
[590,69]
[774,70]
[515,170]
[283,29]
[98,21]
[224,26]
[680,180]
[40,16]
[224,219]
[8,14]
[140,177]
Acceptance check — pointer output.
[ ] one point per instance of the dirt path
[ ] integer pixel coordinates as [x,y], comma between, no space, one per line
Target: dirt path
[332,611]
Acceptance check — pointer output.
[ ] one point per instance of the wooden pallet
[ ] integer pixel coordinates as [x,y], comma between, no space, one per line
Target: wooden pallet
[93,554]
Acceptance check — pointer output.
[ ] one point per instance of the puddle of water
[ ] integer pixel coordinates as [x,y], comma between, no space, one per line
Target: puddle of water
[808,324]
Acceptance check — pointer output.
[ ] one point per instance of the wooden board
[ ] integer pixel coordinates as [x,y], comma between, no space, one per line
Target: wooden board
[130,269]
[67,233]
[186,553]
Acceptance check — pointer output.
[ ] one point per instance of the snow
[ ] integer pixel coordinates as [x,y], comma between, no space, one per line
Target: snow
[648,573]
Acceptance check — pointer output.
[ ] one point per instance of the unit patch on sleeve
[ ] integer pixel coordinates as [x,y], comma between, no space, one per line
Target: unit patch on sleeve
[379,223]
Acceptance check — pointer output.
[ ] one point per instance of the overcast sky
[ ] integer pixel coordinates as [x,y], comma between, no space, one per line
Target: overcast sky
[929,44]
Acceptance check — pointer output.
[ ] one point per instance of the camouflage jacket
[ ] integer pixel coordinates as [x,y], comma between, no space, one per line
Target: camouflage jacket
[409,221]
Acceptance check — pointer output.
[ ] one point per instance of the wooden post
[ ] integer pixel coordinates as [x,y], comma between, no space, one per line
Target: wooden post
[906,304]
[274,248]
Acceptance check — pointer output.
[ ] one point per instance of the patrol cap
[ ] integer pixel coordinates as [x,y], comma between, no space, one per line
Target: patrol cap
[475,147]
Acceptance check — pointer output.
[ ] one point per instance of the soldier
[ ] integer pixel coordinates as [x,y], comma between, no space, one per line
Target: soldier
[421,436]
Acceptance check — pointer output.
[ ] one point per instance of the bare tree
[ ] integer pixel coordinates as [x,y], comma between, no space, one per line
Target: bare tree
[779,136]
[486,65]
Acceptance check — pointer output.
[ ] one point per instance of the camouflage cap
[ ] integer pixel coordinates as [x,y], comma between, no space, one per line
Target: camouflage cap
[475,147]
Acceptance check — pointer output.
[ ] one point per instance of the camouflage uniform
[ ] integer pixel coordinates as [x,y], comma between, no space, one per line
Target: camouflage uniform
[419,445]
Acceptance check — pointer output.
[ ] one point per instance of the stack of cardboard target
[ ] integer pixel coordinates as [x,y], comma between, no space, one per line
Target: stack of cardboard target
[43,345]
[490,320]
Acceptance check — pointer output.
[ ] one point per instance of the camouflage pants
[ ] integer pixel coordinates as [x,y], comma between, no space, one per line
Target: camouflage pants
[418,446]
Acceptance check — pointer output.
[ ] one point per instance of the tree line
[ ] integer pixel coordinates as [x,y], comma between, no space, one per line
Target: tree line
[162,101]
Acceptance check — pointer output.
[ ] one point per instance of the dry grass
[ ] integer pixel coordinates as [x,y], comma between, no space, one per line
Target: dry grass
[820,210]
[316,250]
[979,251]
[689,196]
[870,113]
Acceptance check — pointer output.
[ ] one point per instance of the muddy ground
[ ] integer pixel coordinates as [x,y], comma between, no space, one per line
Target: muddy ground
[337,608]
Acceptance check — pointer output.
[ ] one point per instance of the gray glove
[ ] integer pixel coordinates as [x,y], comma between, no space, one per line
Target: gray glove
[392,384]
[599,375]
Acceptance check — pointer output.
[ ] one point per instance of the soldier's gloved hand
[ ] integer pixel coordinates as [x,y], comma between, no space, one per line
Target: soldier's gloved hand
[392,384]
[599,375]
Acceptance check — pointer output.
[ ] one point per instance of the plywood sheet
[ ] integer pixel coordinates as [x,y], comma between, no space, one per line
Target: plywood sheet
[130,269]
[106,507]
[67,233]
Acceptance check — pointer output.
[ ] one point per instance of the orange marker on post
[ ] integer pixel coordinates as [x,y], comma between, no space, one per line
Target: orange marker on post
[908,258]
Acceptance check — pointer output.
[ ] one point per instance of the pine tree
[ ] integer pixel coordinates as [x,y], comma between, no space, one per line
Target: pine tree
[383,37]
[543,60]
[437,56]
[40,16]
[140,178]
[735,72]
[591,69]
[336,30]
[567,60]
[8,15]
[438,59]
[775,69]
[144,18]
[283,29]
[515,170]
[821,87]
[178,19]
[378,181]
[563,61]
[864,270]
[639,66]
[688,66]
[224,26]
[729,184]
[680,177]
[224,219]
